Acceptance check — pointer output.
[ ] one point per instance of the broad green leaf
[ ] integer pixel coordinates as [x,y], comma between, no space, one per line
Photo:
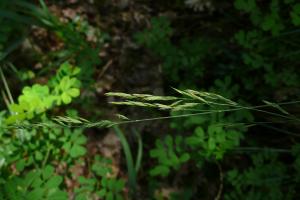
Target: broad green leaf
[67,146]
[211,143]
[184,158]
[81,139]
[36,194]
[20,165]
[200,133]
[104,182]
[73,92]
[119,197]
[77,151]
[160,170]
[119,185]
[110,183]
[66,98]
[102,192]
[47,172]
[58,195]
[156,153]
[37,182]
[53,182]
[109,196]
[30,177]
[38,155]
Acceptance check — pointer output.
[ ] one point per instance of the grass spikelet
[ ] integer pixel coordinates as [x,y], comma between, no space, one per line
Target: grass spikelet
[133,103]
[274,105]
[120,94]
[184,106]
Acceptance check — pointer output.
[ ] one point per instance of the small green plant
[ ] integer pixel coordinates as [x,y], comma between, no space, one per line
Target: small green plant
[213,136]
[170,155]
[110,187]
[74,143]
[87,188]
[39,98]
[27,148]
[178,59]
[76,35]
[264,180]
[103,185]
[16,17]
[269,21]
[39,146]
[215,143]
[240,53]
[35,185]
[260,45]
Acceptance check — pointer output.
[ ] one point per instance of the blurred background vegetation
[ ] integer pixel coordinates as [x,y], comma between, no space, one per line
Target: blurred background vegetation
[230,130]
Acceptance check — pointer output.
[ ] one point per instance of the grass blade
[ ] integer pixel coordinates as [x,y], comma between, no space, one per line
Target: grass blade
[139,156]
[129,160]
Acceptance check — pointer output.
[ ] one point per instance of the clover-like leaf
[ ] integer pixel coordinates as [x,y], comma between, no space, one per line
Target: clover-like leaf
[170,154]
[77,151]
[67,89]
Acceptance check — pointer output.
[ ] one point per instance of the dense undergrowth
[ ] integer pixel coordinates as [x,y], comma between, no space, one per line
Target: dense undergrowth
[230,128]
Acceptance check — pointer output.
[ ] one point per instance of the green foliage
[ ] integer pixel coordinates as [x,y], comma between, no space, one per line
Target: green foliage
[222,135]
[189,99]
[211,142]
[15,18]
[103,186]
[254,54]
[178,59]
[269,21]
[102,166]
[73,144]
[35,185]
[249,54]
[259,50]
[27,148]
[296,164]
[34,100]
[85,54]
[295,14]
[218,133]
[215,135]
[39,98]
[185,194]
[5,150]
[86,189]
[111,188]
[36,147]
[67,90]
[259,44]
[170,155]
[215,143]
[33,148]
[158,35]
[264,180]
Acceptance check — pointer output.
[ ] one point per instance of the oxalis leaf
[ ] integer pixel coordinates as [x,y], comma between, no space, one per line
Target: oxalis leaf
[77,151]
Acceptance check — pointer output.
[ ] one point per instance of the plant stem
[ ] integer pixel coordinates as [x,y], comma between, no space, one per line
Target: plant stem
[129,160]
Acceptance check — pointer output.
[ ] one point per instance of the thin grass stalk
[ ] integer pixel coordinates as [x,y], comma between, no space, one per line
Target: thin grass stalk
[6,87]
[139,153]
[129,160]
